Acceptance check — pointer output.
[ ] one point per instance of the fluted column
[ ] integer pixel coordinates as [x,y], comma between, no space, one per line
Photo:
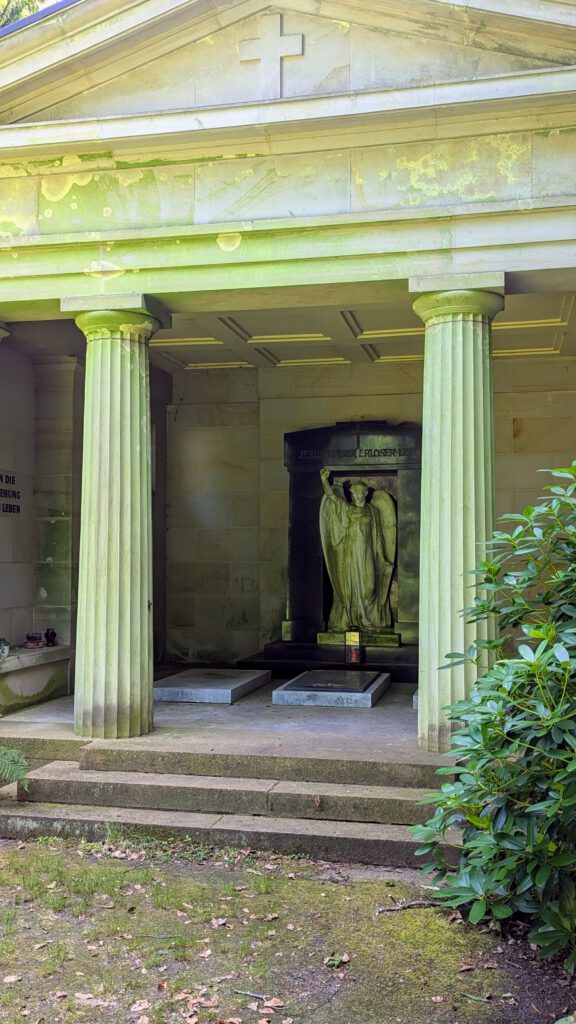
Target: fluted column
[457,492]
[114,631]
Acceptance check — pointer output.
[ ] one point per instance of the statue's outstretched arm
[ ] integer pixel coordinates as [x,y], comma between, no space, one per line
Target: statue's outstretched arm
[326,485]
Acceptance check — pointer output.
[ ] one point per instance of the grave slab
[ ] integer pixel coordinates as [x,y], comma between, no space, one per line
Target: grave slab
[333,689]
[209,685]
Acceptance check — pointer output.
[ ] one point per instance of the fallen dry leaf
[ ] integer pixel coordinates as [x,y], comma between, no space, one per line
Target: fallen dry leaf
[60,995]
[219,922]
[143,1020]
[11,979]
[87,999]
[273,1004]
[254,1005]
[205,953]
[437,999]
[142,1004]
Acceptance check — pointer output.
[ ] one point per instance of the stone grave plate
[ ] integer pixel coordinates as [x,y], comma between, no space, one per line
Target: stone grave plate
[209,685]
[332,680]
[333,688]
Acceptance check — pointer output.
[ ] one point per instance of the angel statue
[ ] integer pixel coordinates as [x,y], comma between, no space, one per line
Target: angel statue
[359,544]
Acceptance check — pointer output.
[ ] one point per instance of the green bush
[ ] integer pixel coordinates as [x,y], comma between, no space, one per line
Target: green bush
[514,790]
[13,767]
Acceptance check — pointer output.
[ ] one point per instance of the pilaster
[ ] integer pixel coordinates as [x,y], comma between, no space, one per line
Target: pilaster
[114,631]
[457,492]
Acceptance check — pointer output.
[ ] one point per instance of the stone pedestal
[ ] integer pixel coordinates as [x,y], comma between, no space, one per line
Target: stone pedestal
[457,492]
[114,632]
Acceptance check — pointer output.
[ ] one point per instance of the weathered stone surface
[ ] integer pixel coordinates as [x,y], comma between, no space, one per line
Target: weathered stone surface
[63,783]
[210,686]
[288,695]
[457,494]
[338,841]
[171,759]
[28,677]
[346,802]
[114,627]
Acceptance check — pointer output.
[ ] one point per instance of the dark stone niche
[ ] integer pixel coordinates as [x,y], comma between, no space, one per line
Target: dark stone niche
[387,457]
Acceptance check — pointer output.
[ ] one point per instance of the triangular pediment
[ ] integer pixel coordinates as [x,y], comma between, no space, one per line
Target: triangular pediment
[152,57]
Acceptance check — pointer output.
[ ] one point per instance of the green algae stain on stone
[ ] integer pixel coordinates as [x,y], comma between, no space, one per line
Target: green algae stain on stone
[17,693]
[81,200]
[18,203]
[440,172]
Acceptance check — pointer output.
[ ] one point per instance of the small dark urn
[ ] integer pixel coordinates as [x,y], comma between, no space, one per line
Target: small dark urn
[50,637]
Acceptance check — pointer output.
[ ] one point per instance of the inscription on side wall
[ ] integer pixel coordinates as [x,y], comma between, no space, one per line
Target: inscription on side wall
[10,494]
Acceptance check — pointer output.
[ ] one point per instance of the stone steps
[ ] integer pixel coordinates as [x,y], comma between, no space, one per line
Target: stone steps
[65,783]
[178,758]
[359,842]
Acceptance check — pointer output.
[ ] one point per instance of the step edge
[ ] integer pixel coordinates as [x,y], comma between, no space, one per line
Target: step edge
[97,813]
[78,775]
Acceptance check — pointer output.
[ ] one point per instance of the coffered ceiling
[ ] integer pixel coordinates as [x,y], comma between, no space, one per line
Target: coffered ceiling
[531,325]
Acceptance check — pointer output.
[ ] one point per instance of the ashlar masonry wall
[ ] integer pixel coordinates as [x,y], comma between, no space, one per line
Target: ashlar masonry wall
[228,488]
[17,462]
[213,515]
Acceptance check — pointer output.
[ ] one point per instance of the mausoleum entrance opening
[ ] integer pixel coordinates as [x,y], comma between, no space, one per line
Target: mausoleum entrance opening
[353,536]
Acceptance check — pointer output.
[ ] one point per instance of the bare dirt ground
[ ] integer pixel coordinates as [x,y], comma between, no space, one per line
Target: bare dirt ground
[145,932]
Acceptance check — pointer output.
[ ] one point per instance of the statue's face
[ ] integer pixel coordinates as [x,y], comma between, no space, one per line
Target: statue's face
[358,494]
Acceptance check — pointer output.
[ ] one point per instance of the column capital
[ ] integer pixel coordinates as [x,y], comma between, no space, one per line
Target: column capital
[117,324]
[435,307]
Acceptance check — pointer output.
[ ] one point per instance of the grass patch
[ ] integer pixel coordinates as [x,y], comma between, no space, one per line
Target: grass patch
[168,931]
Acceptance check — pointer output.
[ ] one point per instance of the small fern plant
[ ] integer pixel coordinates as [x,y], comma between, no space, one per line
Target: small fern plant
[13,767]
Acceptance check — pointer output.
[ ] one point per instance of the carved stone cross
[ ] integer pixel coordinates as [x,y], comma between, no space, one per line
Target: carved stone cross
[270,49]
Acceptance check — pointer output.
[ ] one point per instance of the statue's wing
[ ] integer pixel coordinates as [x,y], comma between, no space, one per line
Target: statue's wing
[385,508]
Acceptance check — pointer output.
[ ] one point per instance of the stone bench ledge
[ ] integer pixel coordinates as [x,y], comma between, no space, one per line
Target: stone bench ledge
[22,657]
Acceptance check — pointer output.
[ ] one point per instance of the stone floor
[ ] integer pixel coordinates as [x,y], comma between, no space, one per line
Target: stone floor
[254,725]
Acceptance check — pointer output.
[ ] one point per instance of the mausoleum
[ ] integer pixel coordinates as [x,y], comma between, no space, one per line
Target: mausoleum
[276,279]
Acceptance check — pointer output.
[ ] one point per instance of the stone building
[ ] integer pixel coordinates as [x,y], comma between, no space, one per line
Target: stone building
[222,222]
